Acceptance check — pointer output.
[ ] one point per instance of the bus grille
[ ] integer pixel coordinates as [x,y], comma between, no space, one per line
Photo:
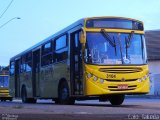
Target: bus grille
[127,80]
[121,70]
[115,88]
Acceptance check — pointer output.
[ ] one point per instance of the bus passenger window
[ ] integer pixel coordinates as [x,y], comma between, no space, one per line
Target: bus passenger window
[46,56]
[12,68]
[28,62]
[61,50]
[22,66]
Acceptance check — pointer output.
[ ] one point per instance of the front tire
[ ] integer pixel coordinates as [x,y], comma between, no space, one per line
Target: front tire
[63,94]
[116,99]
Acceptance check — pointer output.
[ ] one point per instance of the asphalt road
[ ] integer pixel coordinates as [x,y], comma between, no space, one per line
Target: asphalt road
[132,109]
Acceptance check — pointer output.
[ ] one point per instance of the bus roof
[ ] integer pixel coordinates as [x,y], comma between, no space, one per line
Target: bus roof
[77,23]
[80,22]
[127,18]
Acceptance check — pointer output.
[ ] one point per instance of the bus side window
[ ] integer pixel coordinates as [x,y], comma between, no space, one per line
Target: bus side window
[28,62]
[12,68]
[61,49]
[23,66]
[46,56]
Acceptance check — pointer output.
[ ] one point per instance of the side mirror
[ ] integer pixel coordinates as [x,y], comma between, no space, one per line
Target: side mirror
[82,36]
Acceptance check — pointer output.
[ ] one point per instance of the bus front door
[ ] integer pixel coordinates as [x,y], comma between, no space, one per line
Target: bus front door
[76,73]
[36,73]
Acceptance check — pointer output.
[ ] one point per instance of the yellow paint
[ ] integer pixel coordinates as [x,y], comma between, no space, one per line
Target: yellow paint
[114,30]
[4,93]
[96,88]
[101,17]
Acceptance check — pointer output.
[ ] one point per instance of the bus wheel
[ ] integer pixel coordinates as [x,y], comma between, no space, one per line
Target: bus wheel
[56,101]
[24,95]
[63,94]
[116,99]
[32,100]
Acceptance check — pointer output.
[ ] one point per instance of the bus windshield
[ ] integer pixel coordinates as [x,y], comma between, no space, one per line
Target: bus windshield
[116,48]
[4,81]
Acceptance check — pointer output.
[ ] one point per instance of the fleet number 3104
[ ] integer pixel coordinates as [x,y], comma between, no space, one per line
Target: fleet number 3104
[111,75]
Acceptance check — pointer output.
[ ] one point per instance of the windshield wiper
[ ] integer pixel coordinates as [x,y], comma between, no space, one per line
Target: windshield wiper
[128,42]
[128,39]
[108,38]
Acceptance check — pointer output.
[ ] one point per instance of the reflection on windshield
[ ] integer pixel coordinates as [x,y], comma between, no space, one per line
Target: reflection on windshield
[4,81]
[99,50]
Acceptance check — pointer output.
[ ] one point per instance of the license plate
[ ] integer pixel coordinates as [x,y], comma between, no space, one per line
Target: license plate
[122,86]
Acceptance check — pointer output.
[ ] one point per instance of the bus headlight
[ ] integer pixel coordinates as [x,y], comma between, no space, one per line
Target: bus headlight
[89,75]
[143,78]
[101,81]
[95,78]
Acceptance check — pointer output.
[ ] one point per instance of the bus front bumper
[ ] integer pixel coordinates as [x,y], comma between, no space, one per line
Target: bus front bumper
[107,88]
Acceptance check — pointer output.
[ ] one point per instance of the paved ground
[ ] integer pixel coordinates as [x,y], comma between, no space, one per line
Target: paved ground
[140,108]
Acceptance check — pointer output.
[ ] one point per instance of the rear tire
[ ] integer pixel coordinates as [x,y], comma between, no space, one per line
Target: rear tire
[56,101]
[32,100]
[116,99]
[24,95]
[63,94]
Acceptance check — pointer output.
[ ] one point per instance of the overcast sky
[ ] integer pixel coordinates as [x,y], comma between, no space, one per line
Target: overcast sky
[42,18]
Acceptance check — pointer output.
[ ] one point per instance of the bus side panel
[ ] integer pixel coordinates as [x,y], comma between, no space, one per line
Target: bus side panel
[26,80]
[50,79]
[63,73]
[47,84]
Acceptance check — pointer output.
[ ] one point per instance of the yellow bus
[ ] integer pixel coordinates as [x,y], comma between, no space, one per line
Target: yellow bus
[94,58]
[4,88]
